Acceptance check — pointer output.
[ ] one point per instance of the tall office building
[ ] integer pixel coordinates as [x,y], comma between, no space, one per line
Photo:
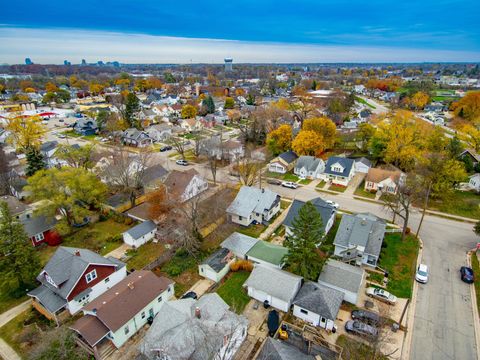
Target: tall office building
[28,61]
[228,64]
[84,62]
[66,62]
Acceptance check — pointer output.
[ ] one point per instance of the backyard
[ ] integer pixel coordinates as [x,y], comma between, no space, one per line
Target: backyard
[144,255]
[232,291]
[399,259]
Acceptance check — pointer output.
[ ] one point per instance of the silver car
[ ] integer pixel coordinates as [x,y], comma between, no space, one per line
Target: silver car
[359,328]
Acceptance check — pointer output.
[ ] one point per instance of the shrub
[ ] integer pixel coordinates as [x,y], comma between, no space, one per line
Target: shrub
[128,221]
[241,265]
[408,230]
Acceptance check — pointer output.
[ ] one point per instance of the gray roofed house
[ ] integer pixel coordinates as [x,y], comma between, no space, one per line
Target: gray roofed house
[339,170]
[195,329]
[253,204]
[359,238]
[343,277]
[362,165]
[16,207]
[276,286]
[140,234]
[36,228]
[326,211]
[283,162]
[216,266]
[317,304]
[153,175]
[274,349]
[239,244]
[288,156]
[135,137]
[309,167]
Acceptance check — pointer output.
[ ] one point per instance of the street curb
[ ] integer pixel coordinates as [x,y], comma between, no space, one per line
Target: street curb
[476,320]
[407,340]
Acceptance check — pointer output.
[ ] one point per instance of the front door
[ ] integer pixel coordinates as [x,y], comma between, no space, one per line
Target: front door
[150,312]
[323,322]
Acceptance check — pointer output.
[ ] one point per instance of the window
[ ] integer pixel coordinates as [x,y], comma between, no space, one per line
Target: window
[107,280]
[159,299]
[126,330]
[39,237]
[92,275]
[240,218]
[303,311]
[143,314]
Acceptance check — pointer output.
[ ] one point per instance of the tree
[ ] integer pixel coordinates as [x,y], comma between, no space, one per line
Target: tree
[229,103]
[77,157]
[471,136]
[250,99]
[248,170]
[468,107]
[19,262]
[419,100]
[132,107]
[179,145]
[303,256]
[26,132]
[364,134]
[6,174]
[189,111]
[60,344]
[308,142]
[280,140]
[102,118]
[476,228]
[50,87]
[158,201]
[35,161]
[70,191]
[324,127]
[454,147]
[209,105]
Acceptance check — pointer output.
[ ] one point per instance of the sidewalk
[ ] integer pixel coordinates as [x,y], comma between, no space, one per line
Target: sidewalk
[273,226]
[6,352]
[119,252]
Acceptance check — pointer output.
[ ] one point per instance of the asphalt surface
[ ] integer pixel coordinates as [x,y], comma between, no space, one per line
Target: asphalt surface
[443,321]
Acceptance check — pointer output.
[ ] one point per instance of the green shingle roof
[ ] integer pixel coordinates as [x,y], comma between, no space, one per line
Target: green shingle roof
[265,251]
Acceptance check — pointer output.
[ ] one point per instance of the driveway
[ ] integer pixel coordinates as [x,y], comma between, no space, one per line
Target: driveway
[443,325]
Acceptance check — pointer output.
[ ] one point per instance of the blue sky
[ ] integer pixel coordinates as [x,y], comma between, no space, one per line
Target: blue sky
[354,30]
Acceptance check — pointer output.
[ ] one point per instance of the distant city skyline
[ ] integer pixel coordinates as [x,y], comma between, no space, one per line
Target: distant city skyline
[149,31]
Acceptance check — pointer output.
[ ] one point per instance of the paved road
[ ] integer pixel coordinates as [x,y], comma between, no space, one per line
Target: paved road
[443,327]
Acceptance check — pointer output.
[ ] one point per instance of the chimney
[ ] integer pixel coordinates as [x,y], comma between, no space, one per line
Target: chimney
[198,314]
[77,252]
[130,285]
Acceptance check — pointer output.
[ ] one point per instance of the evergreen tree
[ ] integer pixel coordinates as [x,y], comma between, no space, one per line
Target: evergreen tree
[209,105]
[132,106]
[250,99]
[476,228]
[35,161]
[314,85]
[303,256]
[19,261]
[455,147]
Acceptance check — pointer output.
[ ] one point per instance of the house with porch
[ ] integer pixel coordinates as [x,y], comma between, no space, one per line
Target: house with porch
[309,167]
[386,181]
[283,162]
[136,138]
[339,170]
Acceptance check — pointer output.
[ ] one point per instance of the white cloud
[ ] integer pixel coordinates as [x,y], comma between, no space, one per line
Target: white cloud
[55,45]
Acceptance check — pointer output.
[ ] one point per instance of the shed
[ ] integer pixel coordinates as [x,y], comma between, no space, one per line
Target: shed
[140,234]
[216,266]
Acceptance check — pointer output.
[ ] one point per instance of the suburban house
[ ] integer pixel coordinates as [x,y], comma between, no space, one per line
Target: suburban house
[239,244]
[122,311]
[191,124]
[362,165]
[317,305]
[140,234]
[386,181]
[18,210]
[153,176]
[309,167]
[85,126]
[159,132]
[195,330]
[342,277]
[184,185]
[17,187]
[339,170]
[283,162]
[272,286]
[469,153]
[137,138]
[275,349]
[267,254]
[253,205]
[41,230]
[326,211]
[216,266]
[72,278]
[48,150]
[474,182]
[359,238]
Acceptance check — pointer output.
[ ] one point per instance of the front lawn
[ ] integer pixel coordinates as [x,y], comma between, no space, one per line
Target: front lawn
[399,258]
[461,203]
[360,191]
[337,188]
[232,291]
[476,271]
[321,184]
[144,255]
[285,177]
[284,204]
[305,181]
[364,102]
[290,177]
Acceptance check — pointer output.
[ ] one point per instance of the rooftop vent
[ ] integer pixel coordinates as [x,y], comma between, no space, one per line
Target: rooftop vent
[198,313]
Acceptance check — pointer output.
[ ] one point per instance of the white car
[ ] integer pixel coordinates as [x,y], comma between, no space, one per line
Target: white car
[422,274]
[289,184]
[333,203]
[382,295]
[62,136]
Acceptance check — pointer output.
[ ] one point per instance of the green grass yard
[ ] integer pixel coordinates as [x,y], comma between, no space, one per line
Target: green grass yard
[461,203]
[360,191]
[252,230]
[364,102]
[476,271]
[144,255]
[232,291]
[337,188]
[305,181]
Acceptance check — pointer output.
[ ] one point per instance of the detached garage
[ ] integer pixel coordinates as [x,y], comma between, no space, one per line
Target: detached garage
[140,234]
[277,287]
[216,266]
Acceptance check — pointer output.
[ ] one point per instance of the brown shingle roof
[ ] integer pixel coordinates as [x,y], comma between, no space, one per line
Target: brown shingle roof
[91,329]
[177,182]
[122,302]
[377,175]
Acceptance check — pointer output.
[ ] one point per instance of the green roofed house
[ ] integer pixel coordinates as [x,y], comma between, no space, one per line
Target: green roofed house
[267,254]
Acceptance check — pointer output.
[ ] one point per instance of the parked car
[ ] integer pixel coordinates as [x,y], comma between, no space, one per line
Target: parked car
[466,274]
[359,328]
[422,274]
[61,120]
[333,203]
[289,184]
[381,295]
[182,162]
[62,136]
[274,182]
[104,140]
[165,148]
[368,317]
[190,295]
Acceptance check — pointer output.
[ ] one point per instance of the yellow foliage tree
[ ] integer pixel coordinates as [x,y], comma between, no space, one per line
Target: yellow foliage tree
[280,140]
[308,142]
[322,126]
[471,135]
[189,111]
[29,90]
[50,87]
[419,100]
[95,88]
[468,107]
[26,132]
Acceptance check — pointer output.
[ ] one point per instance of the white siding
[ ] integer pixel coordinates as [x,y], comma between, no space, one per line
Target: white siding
[245,221]
[207,272]
[129,240]
[277,168]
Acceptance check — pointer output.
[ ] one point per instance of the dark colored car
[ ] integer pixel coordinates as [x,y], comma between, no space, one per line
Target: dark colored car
[368,317]
[359,328]
[273,322]
[165,148]
[274,182]
[190,295]
[466,274]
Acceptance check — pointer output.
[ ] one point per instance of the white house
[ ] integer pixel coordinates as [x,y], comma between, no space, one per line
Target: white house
[253,205]
[343,277]
[140,234]
[317,305]
[283,162]
[123,310]
[276,287]
[309,167]
[159,132]
[474,182]
[339,170]
[386,181]
[362,165]
[184,185]
[216,266]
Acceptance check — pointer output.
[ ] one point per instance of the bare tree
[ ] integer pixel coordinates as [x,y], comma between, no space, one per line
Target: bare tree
[213,164]
[197,141]
[248,170]
[179,145]
[6,174]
